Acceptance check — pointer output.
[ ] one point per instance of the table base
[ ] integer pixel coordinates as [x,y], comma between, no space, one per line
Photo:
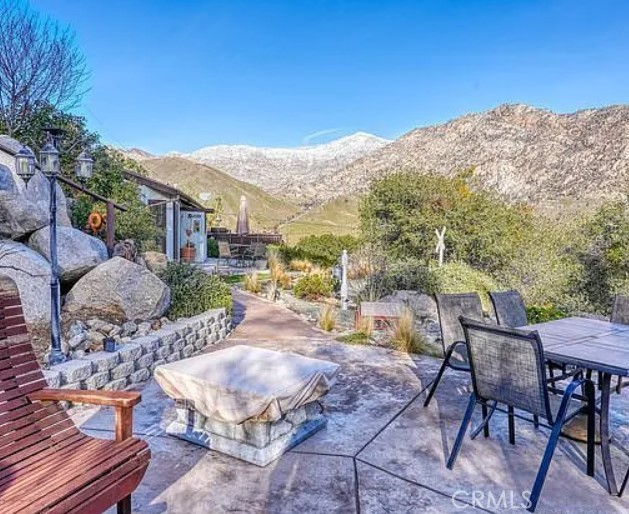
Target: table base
[256,442]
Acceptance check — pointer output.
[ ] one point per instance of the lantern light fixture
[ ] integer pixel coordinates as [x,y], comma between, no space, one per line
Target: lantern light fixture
[84,166]
[49,159]
[25,163]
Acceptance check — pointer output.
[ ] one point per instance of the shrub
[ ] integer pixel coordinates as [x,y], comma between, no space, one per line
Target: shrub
[252,283]
[193,291]
[401,212]
[357,337]
[302,265]
[313,286]
[212,248]
[604,256]
[542,313]
[458,277]
[324,250]
[327,318]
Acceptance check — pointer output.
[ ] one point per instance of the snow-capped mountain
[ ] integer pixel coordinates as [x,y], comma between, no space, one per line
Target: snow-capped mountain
[287,171]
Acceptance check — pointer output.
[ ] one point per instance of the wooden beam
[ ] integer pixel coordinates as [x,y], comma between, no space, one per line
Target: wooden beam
[111,227]
[96,196]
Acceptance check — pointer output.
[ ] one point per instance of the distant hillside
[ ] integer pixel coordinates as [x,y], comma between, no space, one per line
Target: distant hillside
[206,183]
[338,216]
[287,171]
[136,154]
[521,152]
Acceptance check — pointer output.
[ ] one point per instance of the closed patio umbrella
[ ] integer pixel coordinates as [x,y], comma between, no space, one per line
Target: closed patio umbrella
[242,224]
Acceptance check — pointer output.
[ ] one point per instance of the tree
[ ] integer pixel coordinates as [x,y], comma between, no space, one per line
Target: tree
[40,65]
[402,211]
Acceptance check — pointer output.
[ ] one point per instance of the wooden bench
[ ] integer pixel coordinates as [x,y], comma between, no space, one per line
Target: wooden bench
[381,314]
[46,463]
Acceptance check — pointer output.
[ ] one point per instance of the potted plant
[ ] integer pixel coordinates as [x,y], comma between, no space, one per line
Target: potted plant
[189,251]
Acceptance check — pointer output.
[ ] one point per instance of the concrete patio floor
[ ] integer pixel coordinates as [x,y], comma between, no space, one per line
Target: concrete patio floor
[381,452]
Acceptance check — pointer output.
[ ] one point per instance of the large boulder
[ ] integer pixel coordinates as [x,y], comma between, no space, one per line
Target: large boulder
[77,252]
[38,192]
[118,290]
[31,272]
[425,309]
[25,209]
[155,261]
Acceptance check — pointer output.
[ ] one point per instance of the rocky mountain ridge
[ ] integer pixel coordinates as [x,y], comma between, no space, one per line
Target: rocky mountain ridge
[523,153]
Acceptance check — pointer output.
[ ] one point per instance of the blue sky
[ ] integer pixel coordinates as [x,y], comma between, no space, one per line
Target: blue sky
[181,74]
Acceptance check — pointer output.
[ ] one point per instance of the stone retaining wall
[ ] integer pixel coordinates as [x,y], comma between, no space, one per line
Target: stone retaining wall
[136,360]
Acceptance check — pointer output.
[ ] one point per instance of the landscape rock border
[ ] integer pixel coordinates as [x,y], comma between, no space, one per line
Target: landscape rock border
[135,361]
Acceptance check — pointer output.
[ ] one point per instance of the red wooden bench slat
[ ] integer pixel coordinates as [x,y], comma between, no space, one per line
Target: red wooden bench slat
[74,470]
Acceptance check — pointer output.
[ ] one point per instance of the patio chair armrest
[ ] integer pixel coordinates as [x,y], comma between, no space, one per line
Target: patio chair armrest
[122,399]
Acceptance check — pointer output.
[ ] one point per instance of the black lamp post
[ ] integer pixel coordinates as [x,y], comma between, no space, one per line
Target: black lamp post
[49,163]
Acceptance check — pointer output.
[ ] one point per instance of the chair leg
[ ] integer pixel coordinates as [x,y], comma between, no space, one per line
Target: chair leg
[511,425]
[486,419]
[591,427]
[543,469]
[485,425]
[551,446]
[619,385]
[536,421]
[462,430]
[435,383]
[124,505]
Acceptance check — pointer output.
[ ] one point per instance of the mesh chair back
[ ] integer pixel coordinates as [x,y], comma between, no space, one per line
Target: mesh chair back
[507,366]
[223,249]
[509,308]
[620,310]
[451,307]
[259,250]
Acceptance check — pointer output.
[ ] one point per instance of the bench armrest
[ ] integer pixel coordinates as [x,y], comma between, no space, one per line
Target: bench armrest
[112,398]
[123,401]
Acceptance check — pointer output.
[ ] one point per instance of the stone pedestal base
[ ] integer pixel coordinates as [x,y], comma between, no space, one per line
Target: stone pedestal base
[256,442]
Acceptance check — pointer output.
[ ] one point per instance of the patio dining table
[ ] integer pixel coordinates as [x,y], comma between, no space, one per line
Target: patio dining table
[596,345]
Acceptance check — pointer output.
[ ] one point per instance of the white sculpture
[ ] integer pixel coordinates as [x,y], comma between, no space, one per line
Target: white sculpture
[344,287]
[441,244]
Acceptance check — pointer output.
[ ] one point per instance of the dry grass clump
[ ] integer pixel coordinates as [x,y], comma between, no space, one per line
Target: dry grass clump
[303,265]
[404,335]
[327,318]
[252,283]
[364,325]
[280,279]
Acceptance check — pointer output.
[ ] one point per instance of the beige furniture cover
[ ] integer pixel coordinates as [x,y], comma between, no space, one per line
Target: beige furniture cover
[244,383]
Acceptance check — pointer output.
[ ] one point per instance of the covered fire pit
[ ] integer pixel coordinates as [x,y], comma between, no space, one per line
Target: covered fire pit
[250,403]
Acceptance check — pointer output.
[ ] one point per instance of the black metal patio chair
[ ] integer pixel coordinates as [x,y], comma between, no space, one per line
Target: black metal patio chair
[509,308]
[508,369]
[450,308]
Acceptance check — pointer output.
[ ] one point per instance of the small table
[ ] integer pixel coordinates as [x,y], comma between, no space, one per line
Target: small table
[250,403]
[598,346]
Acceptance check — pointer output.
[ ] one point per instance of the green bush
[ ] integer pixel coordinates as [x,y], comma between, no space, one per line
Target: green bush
[604,255]
[193,291]
[401,212]
[314,286]
[458,277]
[324,250]
[212,247]
[542,313]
